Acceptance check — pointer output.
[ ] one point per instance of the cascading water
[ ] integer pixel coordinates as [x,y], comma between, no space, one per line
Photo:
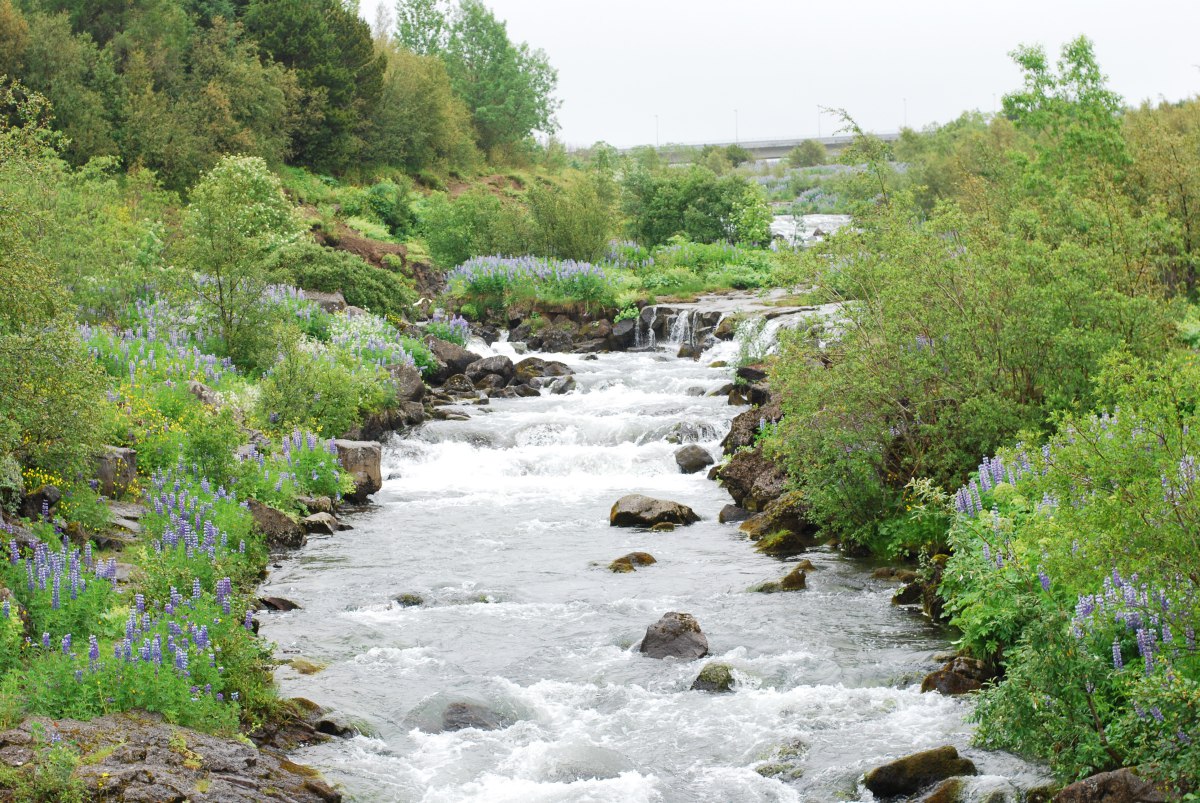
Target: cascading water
[498,527]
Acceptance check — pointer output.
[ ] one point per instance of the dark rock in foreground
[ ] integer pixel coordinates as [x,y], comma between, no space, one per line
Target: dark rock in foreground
[675,635]
[959,676]
[281,530]
[636,510]
[137,756]
[909,775]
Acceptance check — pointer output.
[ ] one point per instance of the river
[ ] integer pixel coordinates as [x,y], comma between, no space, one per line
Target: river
[500,524]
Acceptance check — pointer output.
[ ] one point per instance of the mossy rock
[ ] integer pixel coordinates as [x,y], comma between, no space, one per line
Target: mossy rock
[663,527]
[409,600]
[305,666]
[794,581]
[714,677]
[782,543]
[628,563]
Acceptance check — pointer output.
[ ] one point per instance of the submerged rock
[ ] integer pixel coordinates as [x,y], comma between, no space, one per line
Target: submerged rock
[320,523]
[714,677]
[459,716]
[277,604]
[675,635]
[911,774]
[693,458]
[795,580]
[627,563]
[409,600]
[636,510]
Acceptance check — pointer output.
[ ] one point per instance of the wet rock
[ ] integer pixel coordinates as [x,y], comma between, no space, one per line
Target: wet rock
[951,790]
[276,604]
[408,382]
[795,580]
[280,530]
[491,384]
[883,573]
[556,368]
[908,595]
[690,351]
[558,339]
[455,357]
[318,504]
[714,677]
[460,716]
[684,432]
[911,774]
[499,365]
[693,458]
[751,374]
[627,563]
[1118,786]
[624,333]
[564,384]
[675,635]
[409,600]
[42,498]
[950,684]
[663,527]
[731,514]
[751,479]
[459,385]
[335,724]
[787,514]
[726,327]
[724,390]
[320,523]
[636,510]
[139,757]
[362,460]
[744,428]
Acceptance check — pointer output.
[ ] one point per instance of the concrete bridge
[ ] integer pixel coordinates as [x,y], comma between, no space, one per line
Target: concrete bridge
[675,153]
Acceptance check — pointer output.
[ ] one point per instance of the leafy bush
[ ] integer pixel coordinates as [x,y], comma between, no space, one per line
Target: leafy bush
[308,387]
[327,270]
[473,224]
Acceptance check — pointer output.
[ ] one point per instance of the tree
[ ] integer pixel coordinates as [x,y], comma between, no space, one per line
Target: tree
[422,26]
[237,218]
[695,203]
[808,153]
[508,88]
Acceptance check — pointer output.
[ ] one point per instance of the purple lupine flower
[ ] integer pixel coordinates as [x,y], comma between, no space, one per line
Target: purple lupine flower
[248,622]
[45,641]
[1118,662]
[93,651]
[1044,579]
[66,644]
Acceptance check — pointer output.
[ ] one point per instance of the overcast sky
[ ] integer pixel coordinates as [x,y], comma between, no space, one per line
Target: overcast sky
[692,63]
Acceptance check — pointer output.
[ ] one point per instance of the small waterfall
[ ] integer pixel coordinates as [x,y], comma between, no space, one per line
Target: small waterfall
[648,340]
[682,328]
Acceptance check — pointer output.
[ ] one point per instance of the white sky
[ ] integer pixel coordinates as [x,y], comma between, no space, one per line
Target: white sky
[693,62]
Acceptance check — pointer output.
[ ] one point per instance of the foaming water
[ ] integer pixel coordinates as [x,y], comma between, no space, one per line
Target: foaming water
[500,525]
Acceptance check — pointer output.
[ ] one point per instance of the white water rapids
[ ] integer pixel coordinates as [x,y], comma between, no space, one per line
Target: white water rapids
[500,524]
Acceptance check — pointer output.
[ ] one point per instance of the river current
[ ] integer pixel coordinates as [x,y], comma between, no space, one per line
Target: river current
[500,525]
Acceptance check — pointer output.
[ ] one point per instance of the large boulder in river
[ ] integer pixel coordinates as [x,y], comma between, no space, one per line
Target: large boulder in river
[636,510]
[1118,786]
[116,470]
[453,356]
[675,635]
[628,563]
[693,458]
[911,774]
[460,716]
[714,677]
[498,366]
[751,479]
[624,333]
[362,459]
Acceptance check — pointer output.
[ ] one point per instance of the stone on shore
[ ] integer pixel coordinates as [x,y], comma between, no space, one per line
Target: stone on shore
[281,530]
[362,459]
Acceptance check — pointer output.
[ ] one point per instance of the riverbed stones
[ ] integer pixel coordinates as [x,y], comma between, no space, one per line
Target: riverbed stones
[409,600]
[628,563]
[745,427]
[714,677]
[138,757]
[636,510]
[794,580]
[751,479]
[561,385]
[277,604]
[362,460]
[692,458]
[960,675]
[675,635]
[499,365]
[280,530]
[732,514]
[911,774]
[453,356]
[408,382]
[1118,786]
[459,385]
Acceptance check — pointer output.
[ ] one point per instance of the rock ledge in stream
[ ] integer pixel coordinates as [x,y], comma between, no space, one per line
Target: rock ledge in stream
[636,510]
[675,635]
[1118,786]
[137,756]
[909,775]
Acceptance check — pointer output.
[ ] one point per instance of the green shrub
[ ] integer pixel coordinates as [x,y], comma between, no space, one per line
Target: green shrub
[327,270]
[308,388]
